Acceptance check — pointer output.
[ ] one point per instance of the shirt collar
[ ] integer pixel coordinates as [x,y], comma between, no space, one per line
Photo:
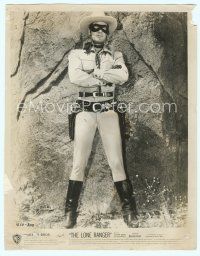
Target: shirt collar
[104,50]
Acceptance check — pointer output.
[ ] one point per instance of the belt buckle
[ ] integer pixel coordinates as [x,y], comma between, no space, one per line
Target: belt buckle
[95,94]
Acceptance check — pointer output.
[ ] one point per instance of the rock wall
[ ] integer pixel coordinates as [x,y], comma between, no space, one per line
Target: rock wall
[154,46]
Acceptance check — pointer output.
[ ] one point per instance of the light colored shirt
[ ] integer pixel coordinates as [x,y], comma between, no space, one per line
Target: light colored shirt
[88,73]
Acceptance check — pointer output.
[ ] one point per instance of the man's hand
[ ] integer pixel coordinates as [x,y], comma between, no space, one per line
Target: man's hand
[98,73]
[103,82]
[89,71]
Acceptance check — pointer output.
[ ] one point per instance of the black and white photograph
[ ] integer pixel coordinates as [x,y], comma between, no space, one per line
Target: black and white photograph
[97,137]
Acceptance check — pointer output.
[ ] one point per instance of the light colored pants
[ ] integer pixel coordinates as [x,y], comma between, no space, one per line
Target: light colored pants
[85,128]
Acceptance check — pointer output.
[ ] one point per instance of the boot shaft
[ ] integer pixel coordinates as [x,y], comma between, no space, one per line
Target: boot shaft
[73,194]
[125,191]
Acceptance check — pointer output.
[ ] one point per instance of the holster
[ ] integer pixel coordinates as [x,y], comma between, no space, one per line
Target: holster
[122,125]
[71,120]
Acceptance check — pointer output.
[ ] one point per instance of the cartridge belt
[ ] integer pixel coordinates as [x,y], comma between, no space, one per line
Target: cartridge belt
[96,94]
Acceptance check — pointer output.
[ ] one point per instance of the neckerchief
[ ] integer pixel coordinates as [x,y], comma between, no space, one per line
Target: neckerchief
[89,47]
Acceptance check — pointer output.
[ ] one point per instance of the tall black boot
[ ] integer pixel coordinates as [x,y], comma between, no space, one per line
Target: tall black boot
[73,193]
[125,192]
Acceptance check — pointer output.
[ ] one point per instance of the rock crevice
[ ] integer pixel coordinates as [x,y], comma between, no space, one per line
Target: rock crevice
[21,45]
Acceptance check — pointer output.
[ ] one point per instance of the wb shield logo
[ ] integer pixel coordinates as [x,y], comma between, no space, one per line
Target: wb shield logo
[17,238]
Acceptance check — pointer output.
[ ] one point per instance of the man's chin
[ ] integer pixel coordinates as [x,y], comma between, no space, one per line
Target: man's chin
[98,42]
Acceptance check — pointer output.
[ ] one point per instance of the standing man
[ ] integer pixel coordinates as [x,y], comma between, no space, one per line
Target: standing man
[97,69]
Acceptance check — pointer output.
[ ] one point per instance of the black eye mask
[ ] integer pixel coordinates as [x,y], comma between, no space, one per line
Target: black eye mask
[96,27]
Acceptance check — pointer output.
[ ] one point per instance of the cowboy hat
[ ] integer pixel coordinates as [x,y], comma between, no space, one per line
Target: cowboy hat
[98,16]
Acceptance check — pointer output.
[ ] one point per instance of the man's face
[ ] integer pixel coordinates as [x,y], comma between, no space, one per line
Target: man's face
[100,35]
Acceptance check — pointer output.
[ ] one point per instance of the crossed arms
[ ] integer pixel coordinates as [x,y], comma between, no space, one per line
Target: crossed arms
[118,74]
